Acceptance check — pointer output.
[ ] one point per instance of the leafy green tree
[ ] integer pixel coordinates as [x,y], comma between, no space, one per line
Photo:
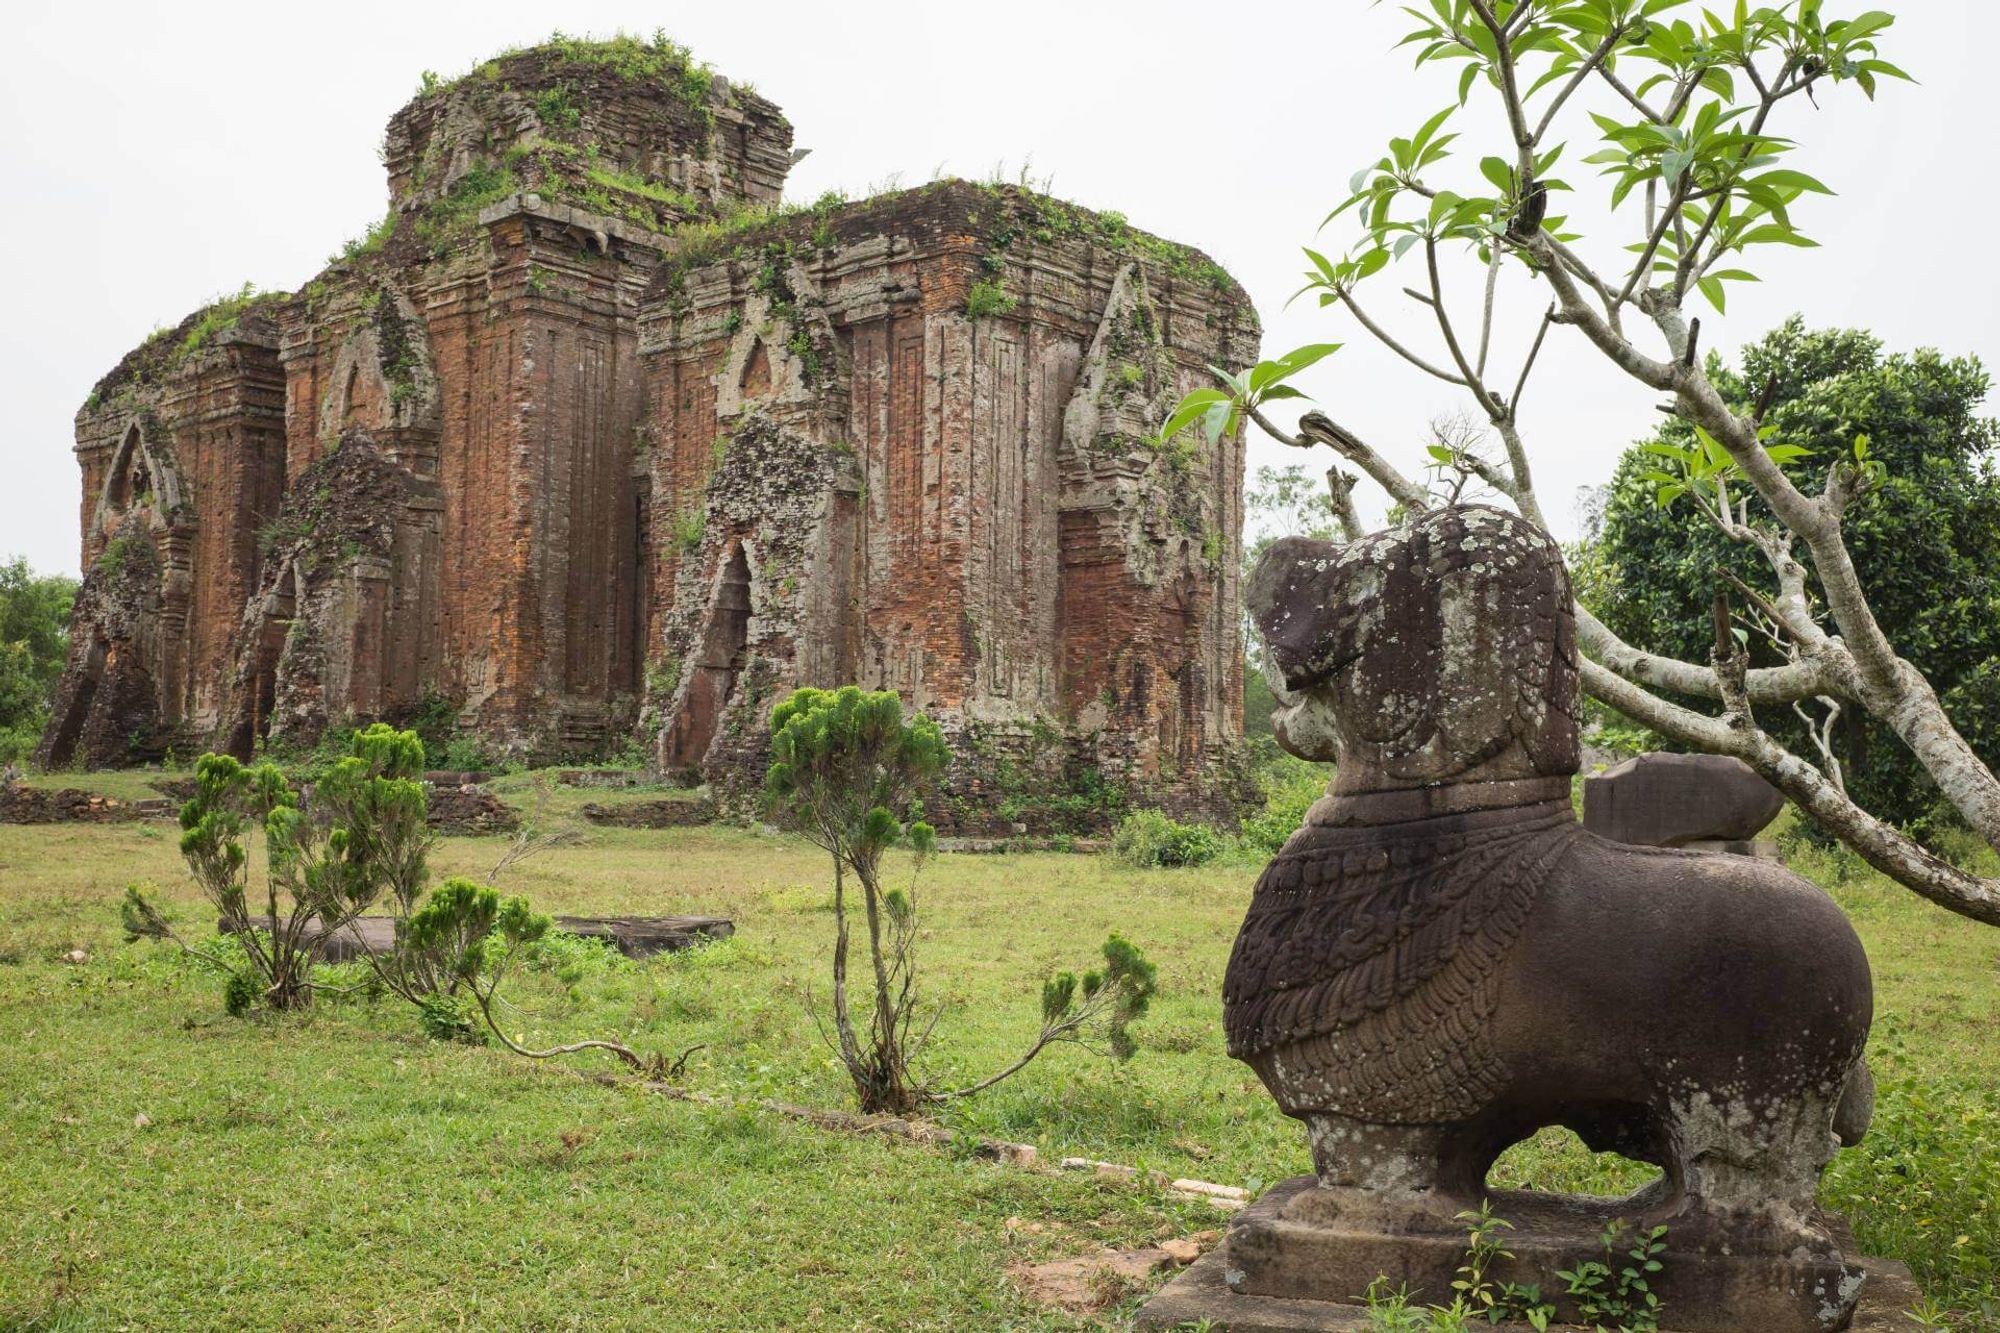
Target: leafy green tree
[850,774]
[1924,546]
[34,642]
[326,861]
[1686,103]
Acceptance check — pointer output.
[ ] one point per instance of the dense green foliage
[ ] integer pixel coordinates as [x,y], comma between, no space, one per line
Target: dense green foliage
[1150,838]
[34,640]
[838,756]
[360,837]
[1291,785]
[1923,540]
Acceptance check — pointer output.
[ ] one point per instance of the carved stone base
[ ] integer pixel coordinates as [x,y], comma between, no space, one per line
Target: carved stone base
[1277,1274]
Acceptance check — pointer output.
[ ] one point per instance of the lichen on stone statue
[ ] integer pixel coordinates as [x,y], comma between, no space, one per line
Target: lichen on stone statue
[1441,962]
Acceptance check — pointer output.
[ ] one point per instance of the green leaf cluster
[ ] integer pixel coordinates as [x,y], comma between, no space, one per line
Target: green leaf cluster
[844,761]
[34,643]
[1127,982]
[1922,536]
[1220,411]
[467,928]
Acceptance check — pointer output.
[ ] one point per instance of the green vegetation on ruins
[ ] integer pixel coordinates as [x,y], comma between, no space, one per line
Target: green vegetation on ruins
[167,347]
[657,60]
[1001,215]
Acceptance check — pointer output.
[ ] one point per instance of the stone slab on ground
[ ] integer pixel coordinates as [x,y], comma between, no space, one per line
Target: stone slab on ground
[1005,846]
[470,811]
[652,814]
[1092,1282]
[634,936]
[605,777]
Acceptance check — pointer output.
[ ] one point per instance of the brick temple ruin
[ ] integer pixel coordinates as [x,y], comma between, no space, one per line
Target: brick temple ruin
[595,443]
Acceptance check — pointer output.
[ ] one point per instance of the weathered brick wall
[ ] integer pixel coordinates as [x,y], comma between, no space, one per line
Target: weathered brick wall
[181,449]
[997,536]
[576,444]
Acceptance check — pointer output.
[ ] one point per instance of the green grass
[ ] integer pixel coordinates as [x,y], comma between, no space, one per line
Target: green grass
[337,1170]
[124,784]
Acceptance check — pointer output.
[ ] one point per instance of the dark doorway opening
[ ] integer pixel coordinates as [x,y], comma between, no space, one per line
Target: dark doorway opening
[724,645]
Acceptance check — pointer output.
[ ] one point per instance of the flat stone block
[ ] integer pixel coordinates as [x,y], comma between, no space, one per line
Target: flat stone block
[634,936]
[1280,1273]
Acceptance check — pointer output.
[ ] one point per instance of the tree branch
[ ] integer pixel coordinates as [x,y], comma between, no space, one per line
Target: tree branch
[1389,341]
[1812,791]
[1472,381]
[1317,427]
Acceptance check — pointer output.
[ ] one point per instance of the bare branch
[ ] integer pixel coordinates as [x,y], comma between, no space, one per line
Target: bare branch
[1472,381]
[1772,685]
[1389,340]
[1520,385]
[1583,72]
[1319,428]
[1341,485]
[1812,791]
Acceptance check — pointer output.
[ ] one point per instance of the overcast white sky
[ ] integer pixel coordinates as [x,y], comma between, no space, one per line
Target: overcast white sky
[159,153]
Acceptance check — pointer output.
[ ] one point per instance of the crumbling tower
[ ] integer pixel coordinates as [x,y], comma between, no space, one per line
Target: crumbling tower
[594,444]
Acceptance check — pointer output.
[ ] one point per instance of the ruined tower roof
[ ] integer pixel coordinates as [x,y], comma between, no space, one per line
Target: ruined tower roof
[985,219]
[624,128]
[244,316]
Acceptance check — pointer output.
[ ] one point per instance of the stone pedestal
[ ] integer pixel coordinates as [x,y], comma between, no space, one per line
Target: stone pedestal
[1298,1260]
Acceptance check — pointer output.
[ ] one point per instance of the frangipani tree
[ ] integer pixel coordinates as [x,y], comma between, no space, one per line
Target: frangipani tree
[1683,105]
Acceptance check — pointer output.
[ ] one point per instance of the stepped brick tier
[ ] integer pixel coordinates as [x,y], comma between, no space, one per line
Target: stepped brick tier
[22,804]
[1441,962]
[651,814]
[595,442]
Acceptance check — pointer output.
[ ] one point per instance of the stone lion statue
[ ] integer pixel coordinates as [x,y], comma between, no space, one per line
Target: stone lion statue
[1441,961]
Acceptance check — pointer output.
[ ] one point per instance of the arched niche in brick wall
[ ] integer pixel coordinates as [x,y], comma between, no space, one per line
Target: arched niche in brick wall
[140,477]
[383,379]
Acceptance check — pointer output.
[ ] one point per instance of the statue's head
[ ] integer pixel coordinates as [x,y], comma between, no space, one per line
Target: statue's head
[1440,651]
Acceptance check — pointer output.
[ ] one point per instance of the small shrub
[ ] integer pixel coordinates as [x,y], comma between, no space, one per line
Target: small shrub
[1147,839]
[843,761]
[467,933]
[987,297]
[361,838]
[557,109]
[449,1018]
[240,994]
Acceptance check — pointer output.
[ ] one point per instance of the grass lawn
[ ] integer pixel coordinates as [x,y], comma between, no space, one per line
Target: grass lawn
[338,1170]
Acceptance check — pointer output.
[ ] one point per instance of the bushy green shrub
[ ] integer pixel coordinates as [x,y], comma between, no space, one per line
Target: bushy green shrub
[1291,785]
[449,1018]
[843,761]
[1147,838]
